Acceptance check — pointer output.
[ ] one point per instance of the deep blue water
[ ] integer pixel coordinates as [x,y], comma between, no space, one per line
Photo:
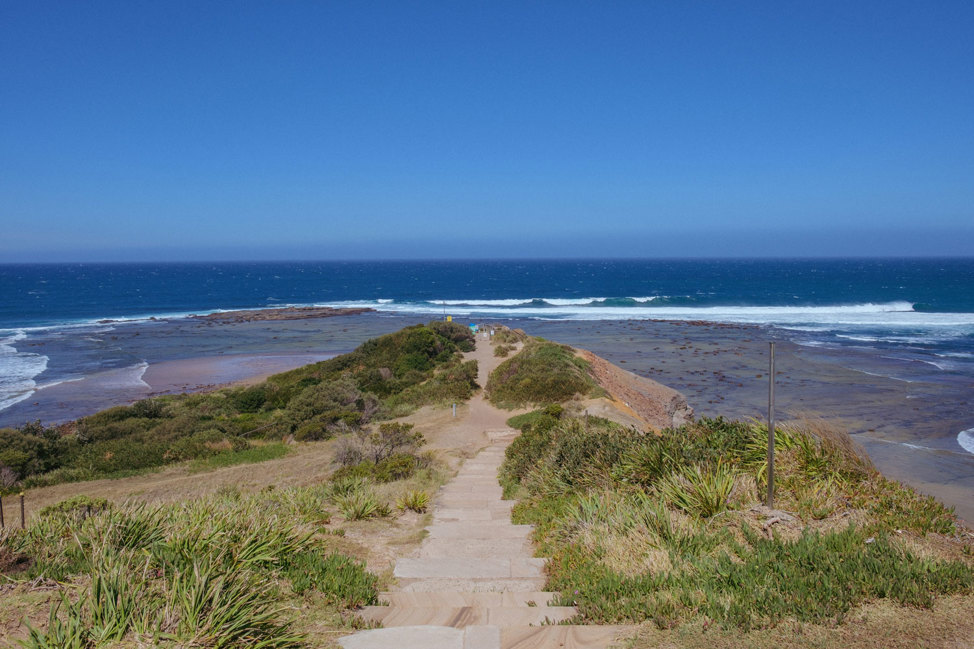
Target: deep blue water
[918,311]
[45,295]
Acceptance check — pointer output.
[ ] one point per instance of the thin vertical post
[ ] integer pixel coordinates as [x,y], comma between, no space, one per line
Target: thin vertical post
[1,511]
[23,518]
[770,499]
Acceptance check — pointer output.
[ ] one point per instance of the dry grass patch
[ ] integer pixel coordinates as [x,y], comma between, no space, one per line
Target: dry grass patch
[948,624]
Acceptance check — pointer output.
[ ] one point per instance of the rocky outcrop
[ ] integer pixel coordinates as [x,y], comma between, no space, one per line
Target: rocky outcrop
[646,400]
[287,313]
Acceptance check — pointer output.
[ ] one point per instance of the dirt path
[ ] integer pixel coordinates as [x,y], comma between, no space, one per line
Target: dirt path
[464,435]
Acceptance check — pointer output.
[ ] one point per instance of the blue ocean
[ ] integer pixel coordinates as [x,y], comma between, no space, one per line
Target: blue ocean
[55,320]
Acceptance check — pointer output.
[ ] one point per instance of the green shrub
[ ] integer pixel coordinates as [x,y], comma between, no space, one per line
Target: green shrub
[341,579]
[209,571]
[392,374]
[360,471]
[250,399]
[502,351]
[633,524]
[542,372]
[395,467]
[76,506]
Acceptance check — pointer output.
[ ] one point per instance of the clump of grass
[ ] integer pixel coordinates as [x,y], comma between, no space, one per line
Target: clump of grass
[698,490]
[415,500]
[345,485]
[206,573]
[502,351]
[542,372]
[250,455]
[361,504]
[341,579]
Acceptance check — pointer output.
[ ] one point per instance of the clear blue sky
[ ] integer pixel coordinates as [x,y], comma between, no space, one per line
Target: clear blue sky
[317,130]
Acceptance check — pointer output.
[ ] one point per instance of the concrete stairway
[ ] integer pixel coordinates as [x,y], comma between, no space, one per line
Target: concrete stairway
[475,584]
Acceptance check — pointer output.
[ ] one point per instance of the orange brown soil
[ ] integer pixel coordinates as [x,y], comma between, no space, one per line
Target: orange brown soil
[652,403]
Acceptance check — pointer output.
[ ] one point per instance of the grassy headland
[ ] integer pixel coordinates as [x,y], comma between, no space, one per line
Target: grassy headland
[542,372]
[385,377]
[669,528]
[271,568]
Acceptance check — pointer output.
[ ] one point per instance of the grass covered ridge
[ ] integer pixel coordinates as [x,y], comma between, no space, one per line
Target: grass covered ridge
[542,372]
[267,569]
[669,529]
[385,377]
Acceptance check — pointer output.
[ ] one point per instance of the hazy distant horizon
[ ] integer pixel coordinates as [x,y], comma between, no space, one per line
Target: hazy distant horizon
[699,245]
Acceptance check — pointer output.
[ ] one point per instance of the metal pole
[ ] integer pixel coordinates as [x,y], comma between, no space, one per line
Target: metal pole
[23,519]
[770,499]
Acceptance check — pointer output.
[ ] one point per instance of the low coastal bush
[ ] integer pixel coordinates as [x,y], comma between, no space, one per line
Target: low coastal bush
[542,372]
[226,570]
[503,351]
[385,376]
[668,528]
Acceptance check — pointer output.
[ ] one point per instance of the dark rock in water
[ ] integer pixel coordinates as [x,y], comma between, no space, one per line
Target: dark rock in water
[288,313]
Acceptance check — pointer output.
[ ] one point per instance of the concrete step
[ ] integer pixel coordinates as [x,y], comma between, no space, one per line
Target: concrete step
[565,637]
[470,501]
[490,491]
[456,600]
[470,514]
[478,530]
[483,548]
[464,616]
[469,568]
[440,585]
[425,637]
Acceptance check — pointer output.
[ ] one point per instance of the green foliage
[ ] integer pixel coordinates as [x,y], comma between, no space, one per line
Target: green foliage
[341,579]
[542,372]
[76,506]
[503,335]
[697,490]
[503,351]
[205,573]
[250,399]
[360,504]
[250,455]
[416,500]
[645,527]
[396,467]
[388,375]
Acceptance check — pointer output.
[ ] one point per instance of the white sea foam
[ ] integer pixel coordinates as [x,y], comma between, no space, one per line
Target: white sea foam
[17,370]
[124,377]
[966,440]
[813,318]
